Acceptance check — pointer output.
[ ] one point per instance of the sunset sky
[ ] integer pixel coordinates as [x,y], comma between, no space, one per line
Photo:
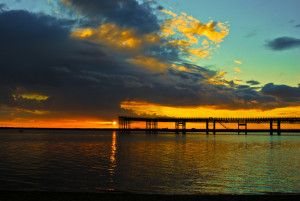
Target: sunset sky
[83,63]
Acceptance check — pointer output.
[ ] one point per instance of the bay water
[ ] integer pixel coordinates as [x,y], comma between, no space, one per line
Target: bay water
[167,163]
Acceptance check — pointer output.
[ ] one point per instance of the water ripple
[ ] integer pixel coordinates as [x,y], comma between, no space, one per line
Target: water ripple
[97,161]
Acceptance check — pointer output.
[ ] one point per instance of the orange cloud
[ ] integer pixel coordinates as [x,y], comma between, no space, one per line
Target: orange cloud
[39,112]
[238,70]
[166,31]
[218,79]
[222,73]
[126,40]
[83,33]
[205,42]
[37,97]
[25,94]
[190,29]
[169,12]
[182,68]
[199,53]
[179,43]
[238,62]
[117,39]
[145,108]
[149,62]
[207,30]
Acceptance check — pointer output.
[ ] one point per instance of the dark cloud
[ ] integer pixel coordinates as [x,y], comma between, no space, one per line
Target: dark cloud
[297,26]
[243,87]
[283,43]
[82,78]
[245,95]
[282,92]
[124,13]
[253,82]
[39,56]
[160,7]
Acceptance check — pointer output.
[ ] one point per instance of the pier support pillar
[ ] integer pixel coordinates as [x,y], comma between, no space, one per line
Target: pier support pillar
[180,125]
[214,127]
[124,125]
[271,127]
[127,126]
[245,127]
[207,127]
[176,127]
[155,125]
[151,127]
[148,127]
[121,125]
[278,128]
[183,127]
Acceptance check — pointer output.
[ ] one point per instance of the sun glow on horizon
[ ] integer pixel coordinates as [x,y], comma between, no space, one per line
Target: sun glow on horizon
[57,123]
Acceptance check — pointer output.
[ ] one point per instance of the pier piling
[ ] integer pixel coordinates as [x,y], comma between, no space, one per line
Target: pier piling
[207,128]
[278,127]
[271,127]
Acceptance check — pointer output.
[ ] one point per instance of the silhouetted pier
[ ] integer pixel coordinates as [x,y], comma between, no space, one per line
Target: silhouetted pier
[210,124]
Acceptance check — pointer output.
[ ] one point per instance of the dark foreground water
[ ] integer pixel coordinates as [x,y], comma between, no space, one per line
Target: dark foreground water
[97,161]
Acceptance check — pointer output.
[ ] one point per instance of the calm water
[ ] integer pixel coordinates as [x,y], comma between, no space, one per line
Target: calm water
[166,163]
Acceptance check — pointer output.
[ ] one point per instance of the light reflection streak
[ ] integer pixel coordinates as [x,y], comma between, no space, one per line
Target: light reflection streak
[113,148]
[113,164]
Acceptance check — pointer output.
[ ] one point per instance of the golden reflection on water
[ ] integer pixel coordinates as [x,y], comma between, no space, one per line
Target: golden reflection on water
[113,148]
[205,163]
[113,161]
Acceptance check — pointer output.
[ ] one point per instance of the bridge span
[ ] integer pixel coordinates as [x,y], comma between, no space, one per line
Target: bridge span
[210,124]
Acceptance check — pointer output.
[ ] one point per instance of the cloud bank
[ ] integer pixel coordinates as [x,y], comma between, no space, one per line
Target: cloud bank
[115,51]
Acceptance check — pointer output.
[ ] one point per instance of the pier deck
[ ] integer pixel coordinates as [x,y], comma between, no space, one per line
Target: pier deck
[180,124]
